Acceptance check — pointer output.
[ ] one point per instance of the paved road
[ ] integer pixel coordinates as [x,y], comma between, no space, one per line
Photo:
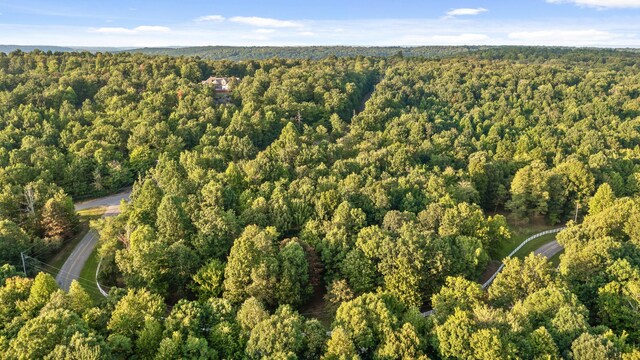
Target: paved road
[549,249]
[104,201]
[75,262]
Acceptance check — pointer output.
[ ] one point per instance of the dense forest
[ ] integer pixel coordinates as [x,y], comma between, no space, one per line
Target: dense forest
[380,186]
[306,52]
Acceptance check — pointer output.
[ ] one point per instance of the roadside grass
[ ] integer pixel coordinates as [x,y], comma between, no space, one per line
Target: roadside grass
[555,259]
[532,245]
[89,272]
[93,212]
[519,233]
[57,260]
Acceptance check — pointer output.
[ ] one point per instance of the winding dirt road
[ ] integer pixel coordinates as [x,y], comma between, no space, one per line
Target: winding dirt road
[75,262]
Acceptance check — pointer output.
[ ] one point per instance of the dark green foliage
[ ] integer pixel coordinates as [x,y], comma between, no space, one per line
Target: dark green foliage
[256,206]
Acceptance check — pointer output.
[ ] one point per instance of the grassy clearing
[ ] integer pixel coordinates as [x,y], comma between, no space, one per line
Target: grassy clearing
[58,259]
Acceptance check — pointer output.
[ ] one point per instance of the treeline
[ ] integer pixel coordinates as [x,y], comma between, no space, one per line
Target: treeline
[238,53]
[243,213]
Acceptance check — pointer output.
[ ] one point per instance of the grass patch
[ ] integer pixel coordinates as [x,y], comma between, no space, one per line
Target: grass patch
[92,213]
[533,245]
[555,259]
[520,233]
[89,272]
[57,260]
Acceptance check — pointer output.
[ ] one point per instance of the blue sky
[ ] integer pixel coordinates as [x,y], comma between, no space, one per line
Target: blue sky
[608,23]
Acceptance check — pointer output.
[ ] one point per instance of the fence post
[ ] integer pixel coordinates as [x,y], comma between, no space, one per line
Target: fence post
[24,267]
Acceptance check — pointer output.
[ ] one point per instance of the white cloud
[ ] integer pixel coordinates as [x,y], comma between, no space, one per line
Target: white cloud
[137,30]
[609,31]
[264,22]
[214,18]
[465,12]
[601,3]
[563,37]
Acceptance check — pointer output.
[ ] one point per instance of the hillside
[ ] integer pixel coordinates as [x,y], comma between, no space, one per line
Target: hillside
[305,52]
[320,208]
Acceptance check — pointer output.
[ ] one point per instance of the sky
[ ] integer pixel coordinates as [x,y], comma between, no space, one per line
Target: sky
[161,23]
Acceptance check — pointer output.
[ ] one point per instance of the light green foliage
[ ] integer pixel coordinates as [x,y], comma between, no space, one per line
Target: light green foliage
[602,199]
[457,293]
[181,347]
[520,278]
[541,345]
[216,227]
[490,344]
[284,333]
[454,335]
[172,222]
[44,285]
[13,297]
[529,190]
[252,266]
[337,293]
[376,324]
[42,334]
[208,280]
[594,347]
[251,313]
[593,247]
[340,346]
[133,311]
[400,261]
[468,220]
[618,301]
[80,347]
[558,310]
[145,200]
[80,301]
[8,271]
[293,287]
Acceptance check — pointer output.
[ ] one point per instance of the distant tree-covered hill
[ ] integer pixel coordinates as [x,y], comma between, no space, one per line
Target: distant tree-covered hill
[307,52]
[28,48]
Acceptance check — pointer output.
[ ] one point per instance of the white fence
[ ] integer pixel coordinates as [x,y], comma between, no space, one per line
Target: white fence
[527,240]
[104,293]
